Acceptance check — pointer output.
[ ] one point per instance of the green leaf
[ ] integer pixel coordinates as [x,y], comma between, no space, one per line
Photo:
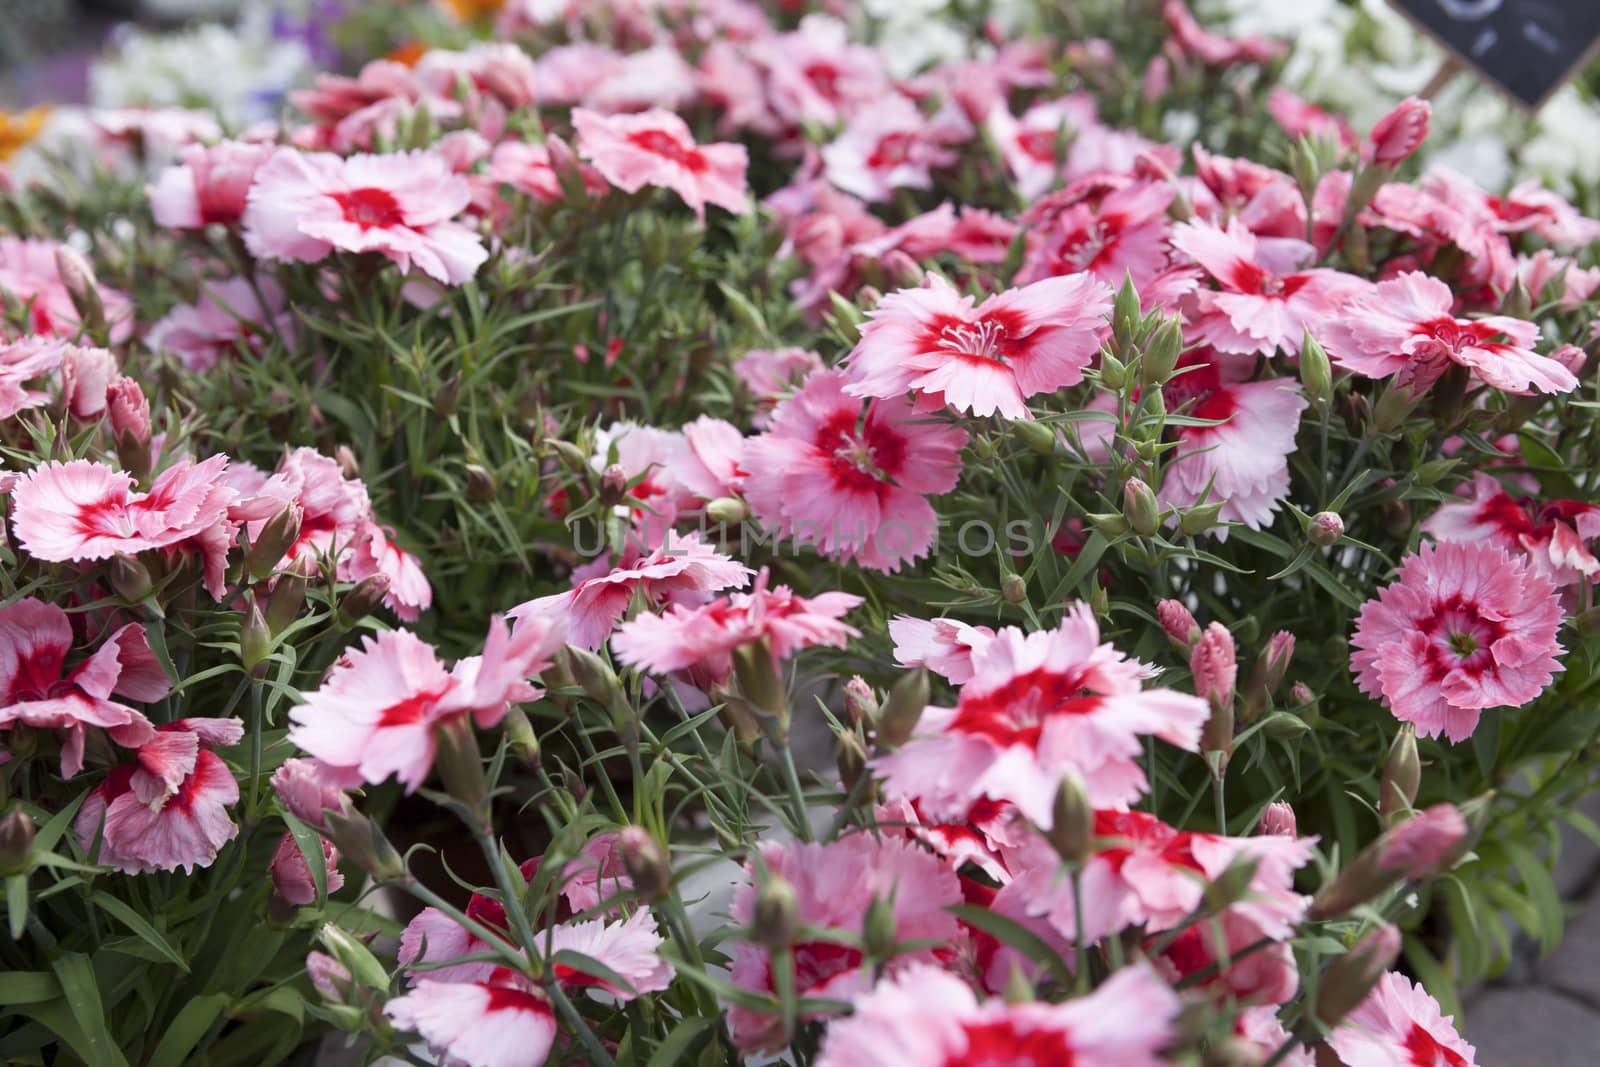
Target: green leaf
[675,1046]
[187,1030]
[1542,894]
[141,928]
[28,987]
[17,904]
[577,961]
[1432,975]
[51,831]
[82,994]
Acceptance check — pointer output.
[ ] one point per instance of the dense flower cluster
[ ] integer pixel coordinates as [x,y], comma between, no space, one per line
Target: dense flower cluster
[888,549]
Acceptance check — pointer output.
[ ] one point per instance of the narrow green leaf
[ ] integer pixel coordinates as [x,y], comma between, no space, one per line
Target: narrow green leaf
[310,844]
[82,995]
[17,905]
[28,987]
[675,1046]
[141,928]
[187,1030]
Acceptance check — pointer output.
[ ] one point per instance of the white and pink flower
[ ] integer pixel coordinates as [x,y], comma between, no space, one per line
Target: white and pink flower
[657,148]
[1399,1023]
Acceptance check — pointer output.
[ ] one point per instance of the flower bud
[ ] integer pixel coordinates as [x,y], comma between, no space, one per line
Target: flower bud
[1179,624]
[129,414]
[356,958]
[16,841]
[1571,357]
[460,762]
[1215,667]
[349,466]
[130,578]
[759,680]
[1413,850]
[1316,372]
[1394,404]
[1267,673]
[1139,507]
[1013,590]
[860,702]
[646,863]
[292,879]
[1071,831]
[1347,979]
[1109,524]
[727,510]
[1200,518]
[879,932]
[448,396]
[255,640]
[329,977]
[362,600]
[903,708]
[1126,314]
[613,485]
[288,594]
[519,732]
[1400,132]
[1161,354]
[277,536]
[1325,528]
[482,485]
[1035,436]
[360,841]
[1113,372]
[78,279]
[777,914]
[851,761]
[1402,775]
[570,455]
[1277,819]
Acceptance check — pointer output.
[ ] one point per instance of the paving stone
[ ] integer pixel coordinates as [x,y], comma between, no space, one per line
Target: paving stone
[1526,1026]
[1574,967]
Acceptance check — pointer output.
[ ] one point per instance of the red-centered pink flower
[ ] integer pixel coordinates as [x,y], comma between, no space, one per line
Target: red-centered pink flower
[1267,299]
[1241,462]
[657,148]
[82,510]
[169,809]
[376,554]
[35,638]
[1530,206]
[889,146]
[928,1017]
[980,359]
[1035,146]
[1556,535]
[377,712]
[816,75]
[1400,132]
[683,570]
[502,1021]
[701,640]
[29,274]
[1447,208]
[850,478]
[208,187]
[1400,1025]
[944,646]
[1550,277]
[22,362]
[1123,233]
[1224,957]
[537,169]
[291,875]
[1405,328]
[834,885]
[304,206]
[1038,706]
[232,316]
[1465,627]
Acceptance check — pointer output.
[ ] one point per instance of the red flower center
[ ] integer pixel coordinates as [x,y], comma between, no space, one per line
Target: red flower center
[824,78]
[1425,1051]
[1015,713]
[660,143]
[1453,335]
[863,458]
[893,150]
[1039,144]
[371,208]
[413,709]
[1460,638]
[1003,1043]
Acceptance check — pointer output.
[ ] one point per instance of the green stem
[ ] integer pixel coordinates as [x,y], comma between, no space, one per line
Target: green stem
[1080,946]
[797,800]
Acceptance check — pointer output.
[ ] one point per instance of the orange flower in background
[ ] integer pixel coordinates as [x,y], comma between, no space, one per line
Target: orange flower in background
[17,128]
[407,53]
[467,10]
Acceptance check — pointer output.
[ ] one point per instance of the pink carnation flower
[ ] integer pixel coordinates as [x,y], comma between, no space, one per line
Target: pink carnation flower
[656,148]
[230,316]
[834,885]
[684,570]
[377,712]
[926,1016]
[1557,536]
[22,362]
[502,1021]
[305,205]
[1399,1023]
[28,272]
[1405,327]
[208,187]
[1465,627]
[702,639]
[1035,147]
[1120,233]
[1038,706]
[169,809]
[944,646]
[984,358]
[855,487]
[35,638]
[889,146]
[1267,299]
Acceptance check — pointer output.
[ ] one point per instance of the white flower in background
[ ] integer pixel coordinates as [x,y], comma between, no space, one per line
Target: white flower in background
[242,73]
[1567,142]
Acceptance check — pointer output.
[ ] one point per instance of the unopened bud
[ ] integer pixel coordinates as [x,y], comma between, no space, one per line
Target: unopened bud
[16,841]
[356,958]
[1325,528]
[1200,518]
[570,455]
[1113,373]
[1071,821]
[130,578]
[759,680]
[481,484]
[77,278]
[1316,372]
[1394,405]
[1267,673]
[777,914]
[1034,436]
[879,932]
[1126,313]
[1347,979]
[362,599]
[459,761]
[646,863]
[1013,590]
[903,708]
[1139,507]
[852,760]
[330,978]
[1277,820]
[1109,524]
[727,510]
[448,396]
[1179,625]
[860,702]
[1396,516]
[349,466]
[255,639]
[288,594]
[1412,850]
[1215,667]
[1402,776]
[277,536]
[519,733]
[359,840]
[613,485]
[129,414]
[1161,354]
